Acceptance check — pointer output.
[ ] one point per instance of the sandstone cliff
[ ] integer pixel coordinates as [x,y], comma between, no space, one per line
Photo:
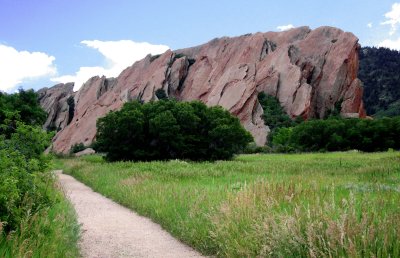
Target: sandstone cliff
[307,70]
[54,101]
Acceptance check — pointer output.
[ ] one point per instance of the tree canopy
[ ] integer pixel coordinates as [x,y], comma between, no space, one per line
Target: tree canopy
[168,129]
[23,107]
[336,134]
[380,73]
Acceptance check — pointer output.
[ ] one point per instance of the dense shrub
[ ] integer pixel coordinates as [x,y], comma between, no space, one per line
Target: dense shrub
[253,148]
[22,142]
[22,183]
[168,129]
[340,135]
[274,116]
[77,148]
[161,94]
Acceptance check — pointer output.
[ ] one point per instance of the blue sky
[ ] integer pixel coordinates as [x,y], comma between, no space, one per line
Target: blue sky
[43,42]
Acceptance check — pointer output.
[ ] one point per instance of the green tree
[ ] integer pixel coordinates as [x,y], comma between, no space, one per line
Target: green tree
[22,106]
[274,116]
[168,129]
[379,72]
[337,134]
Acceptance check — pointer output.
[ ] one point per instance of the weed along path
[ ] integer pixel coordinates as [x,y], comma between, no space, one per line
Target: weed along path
[110,230]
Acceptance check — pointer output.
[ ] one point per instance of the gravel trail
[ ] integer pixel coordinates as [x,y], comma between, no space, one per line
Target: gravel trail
[111,230]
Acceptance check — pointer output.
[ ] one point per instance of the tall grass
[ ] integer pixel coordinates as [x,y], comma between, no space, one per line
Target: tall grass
[51,232]
[306,205]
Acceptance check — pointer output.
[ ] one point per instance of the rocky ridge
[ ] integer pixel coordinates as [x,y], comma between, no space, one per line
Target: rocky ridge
[309,71]
[54,101]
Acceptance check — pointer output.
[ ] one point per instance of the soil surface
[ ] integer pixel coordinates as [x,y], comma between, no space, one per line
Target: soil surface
[111,230]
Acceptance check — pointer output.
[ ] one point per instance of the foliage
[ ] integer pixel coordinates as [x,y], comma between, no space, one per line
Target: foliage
[77,147]
[297,205]
[161,95]
[274,116]
[279,123]
[168,129]
[253,148]
[281,140]
[379,71]
[341,134]
[51,232]
[22,185]
[22,106]
[35,220]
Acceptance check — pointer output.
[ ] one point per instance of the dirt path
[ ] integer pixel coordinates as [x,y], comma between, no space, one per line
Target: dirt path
[110,230]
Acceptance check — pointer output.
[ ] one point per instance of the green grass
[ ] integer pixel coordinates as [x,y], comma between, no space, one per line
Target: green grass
[302,205]
[51,232]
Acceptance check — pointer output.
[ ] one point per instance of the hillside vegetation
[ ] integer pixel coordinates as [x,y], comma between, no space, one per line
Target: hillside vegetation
[380,73]
[318,205]
[35,219]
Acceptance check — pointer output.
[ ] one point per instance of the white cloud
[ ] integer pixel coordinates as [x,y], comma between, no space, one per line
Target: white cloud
[285,27]
[392,44]
[118,54]
[17,67]
[393,18]
[369,25]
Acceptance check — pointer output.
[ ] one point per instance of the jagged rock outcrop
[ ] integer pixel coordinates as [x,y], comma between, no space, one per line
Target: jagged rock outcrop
[54,101]
[307,70]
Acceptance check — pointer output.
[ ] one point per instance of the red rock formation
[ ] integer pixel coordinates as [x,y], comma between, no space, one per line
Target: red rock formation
[307,70]
[54,101]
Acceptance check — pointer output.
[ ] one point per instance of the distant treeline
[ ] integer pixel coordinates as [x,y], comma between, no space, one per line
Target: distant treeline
[336,134]
[380,73]
[332,134]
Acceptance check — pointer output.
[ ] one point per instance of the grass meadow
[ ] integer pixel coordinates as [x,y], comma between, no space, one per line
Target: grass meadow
[296,205]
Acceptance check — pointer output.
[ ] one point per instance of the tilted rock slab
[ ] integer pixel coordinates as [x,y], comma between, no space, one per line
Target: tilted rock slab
[54,101]
[307,70]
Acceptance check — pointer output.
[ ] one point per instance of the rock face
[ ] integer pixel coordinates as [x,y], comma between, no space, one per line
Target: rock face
[307,70]
[54,101]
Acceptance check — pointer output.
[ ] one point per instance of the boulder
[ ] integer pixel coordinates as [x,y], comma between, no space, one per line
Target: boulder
[88,151]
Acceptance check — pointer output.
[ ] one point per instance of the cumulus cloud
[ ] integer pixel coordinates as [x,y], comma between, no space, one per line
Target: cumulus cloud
[285,27]
[118,55]
[393,18]
[392,44]
[17,67]
[369,25]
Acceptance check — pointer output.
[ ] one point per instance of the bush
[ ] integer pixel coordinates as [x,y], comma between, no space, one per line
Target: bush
[168,129]
[274,116]
[161,94]
[77,147]
[337,134]
[22,185]
[281,140]
[253,148]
